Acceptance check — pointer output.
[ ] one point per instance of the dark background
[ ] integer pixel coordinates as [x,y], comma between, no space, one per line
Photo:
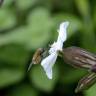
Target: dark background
[26,25]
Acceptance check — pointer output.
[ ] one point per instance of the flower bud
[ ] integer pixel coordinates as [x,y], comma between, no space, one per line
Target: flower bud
[86,82]
[79,58]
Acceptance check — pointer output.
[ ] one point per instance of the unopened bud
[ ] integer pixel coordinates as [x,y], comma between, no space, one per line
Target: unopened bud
[79,57]
[86,82]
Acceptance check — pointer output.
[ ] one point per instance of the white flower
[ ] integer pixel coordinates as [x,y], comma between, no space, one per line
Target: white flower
[48,62]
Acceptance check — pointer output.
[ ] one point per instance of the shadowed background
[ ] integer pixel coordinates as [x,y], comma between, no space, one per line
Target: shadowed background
[26,25]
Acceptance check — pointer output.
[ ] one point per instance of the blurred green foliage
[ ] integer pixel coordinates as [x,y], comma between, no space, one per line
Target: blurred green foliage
[26,25]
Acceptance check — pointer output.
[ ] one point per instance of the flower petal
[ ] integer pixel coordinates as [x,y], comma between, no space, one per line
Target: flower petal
[48,63]
[49,72]
[53,48]
[61,38]
[56,46]
[62,31]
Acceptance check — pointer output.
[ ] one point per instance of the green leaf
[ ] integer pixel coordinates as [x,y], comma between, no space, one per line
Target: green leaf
[35,35]
[88,37]
[94,16]
[7,19]
[83,7]
[14,55]
[9,76]
[25,4]
[39,78]
[91,91]
[22,90]
[6,3]
[40,16]
[73,76]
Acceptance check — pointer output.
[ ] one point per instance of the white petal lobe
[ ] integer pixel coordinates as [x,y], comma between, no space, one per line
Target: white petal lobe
[49,73]
[62,31]
[48,63]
